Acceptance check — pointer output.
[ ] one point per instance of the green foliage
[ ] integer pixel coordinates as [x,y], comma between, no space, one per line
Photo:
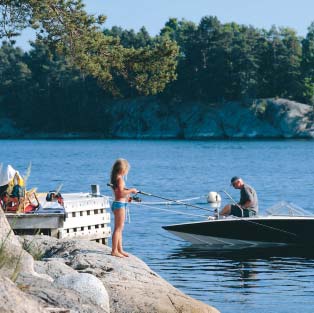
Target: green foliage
[130,39]
[14,17]
[308,92]
[307,65]
[3,256]
[34,250]
[150,69]
[229,61]
[65,27]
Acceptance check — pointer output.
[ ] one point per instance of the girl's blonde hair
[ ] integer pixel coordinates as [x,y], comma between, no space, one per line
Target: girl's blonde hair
[119,166]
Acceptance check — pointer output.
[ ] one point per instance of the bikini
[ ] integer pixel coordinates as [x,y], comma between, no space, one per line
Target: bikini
[116,205]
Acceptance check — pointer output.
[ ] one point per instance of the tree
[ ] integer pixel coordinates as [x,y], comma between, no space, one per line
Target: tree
[129,38]
[243,62]
[184,32]
[307,65]
[209,58]
[279,64]
[65,27]
[154,65]
[14,18]
[14,75]
[290,68]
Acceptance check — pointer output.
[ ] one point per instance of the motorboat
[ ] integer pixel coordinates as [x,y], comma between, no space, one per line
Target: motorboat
[283,224]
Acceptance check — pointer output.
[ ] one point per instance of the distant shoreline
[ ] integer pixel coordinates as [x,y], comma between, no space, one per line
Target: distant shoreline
[101,137]
[148,119]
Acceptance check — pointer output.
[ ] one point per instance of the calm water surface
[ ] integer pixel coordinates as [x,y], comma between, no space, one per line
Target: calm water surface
[280,281]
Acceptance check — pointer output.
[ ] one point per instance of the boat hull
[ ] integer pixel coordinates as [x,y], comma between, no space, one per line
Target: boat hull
[242,233]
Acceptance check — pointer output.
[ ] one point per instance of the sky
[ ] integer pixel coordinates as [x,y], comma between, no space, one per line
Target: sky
[133,14]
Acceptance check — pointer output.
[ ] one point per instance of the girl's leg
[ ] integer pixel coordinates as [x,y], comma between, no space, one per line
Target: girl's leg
[120,249]
[119,216]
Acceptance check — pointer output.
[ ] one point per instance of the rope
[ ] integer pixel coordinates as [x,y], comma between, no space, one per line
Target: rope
[127,214]
[167,210]
[266,226]
[128,217]
[236,217]
[171,202]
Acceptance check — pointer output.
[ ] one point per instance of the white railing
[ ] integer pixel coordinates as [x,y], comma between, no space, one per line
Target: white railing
[86,217]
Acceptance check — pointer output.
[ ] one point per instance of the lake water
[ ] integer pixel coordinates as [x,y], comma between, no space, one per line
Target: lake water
[279,170]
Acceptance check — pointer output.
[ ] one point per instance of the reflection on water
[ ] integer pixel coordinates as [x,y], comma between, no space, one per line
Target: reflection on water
[268,276]
[201,251]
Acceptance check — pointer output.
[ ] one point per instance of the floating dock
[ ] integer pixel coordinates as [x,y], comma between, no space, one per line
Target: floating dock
[83,216]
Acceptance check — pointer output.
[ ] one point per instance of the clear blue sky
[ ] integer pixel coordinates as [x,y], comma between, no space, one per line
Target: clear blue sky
[153,14]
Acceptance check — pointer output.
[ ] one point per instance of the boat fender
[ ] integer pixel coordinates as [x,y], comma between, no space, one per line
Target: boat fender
[213,197]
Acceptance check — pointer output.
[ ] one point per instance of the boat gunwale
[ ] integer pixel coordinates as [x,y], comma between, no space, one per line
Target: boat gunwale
[248,219]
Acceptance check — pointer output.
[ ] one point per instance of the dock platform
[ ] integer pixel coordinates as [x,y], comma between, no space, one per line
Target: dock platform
[83,216]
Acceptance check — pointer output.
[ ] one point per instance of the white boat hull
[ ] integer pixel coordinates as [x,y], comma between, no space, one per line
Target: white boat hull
[215,243]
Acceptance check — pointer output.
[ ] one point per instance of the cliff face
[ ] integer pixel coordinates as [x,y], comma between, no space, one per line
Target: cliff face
[267,118]
[151,119]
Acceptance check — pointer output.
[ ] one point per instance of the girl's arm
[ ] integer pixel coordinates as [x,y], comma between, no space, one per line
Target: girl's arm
[132,190]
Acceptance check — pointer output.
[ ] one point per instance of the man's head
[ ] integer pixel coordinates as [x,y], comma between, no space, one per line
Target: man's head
[236,182]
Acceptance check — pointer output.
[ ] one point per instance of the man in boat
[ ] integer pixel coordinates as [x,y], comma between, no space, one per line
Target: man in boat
[248,204]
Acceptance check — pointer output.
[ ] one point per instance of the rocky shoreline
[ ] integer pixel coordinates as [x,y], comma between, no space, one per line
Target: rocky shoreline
[45,275]
[149,118]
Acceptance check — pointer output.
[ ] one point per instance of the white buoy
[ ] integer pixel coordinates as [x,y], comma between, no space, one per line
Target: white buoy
[213,197]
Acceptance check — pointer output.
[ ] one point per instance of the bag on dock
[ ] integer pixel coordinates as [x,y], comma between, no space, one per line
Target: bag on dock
[54,196]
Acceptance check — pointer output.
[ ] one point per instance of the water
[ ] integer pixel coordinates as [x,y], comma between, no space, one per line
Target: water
[280,281]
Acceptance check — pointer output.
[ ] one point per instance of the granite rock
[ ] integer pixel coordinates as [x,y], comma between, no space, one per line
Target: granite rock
[80,276]
[13,258]
[260,118]
[13,299]
[132,286]
[88,286]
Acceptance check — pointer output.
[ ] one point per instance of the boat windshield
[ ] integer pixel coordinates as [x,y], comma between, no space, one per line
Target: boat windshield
[287,208]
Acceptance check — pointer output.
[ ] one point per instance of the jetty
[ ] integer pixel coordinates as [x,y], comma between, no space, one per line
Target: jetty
[82,216]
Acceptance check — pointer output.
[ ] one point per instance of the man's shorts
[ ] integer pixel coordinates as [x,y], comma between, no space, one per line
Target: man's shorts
[236,211]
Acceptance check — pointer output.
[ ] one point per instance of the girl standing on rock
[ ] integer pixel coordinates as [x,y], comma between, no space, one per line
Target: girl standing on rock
[119,170]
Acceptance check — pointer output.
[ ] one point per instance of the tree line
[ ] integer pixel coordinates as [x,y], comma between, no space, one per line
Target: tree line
[220,62]
[68,79]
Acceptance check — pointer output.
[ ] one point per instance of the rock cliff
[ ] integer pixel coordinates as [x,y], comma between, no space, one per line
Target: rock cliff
[266,118]
[149,118]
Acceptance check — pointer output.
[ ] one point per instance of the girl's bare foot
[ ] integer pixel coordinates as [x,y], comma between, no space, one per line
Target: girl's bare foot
[117,254]
[124,253]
